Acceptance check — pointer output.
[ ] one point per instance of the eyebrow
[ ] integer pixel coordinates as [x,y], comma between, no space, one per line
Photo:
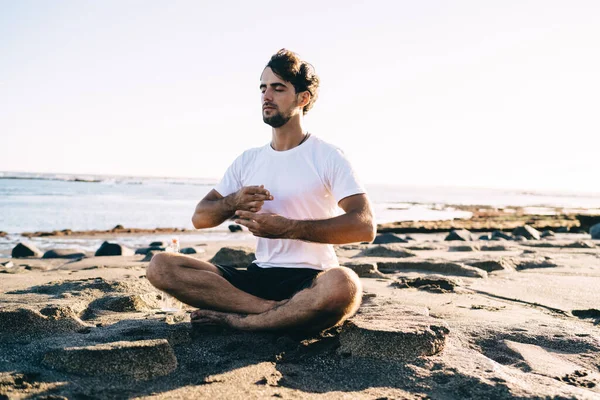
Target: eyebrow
[273,85]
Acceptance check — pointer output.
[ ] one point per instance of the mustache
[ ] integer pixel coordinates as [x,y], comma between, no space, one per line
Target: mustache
[269,105]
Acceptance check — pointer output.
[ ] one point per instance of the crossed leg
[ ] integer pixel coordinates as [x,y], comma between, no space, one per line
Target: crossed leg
[201,284]
[334,296]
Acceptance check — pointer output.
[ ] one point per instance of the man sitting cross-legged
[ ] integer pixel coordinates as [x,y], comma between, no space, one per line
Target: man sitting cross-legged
[286,193]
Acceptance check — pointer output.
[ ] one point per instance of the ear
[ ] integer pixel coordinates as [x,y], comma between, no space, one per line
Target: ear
[303,98]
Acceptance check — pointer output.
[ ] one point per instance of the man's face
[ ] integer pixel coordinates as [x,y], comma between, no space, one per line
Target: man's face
[279,100]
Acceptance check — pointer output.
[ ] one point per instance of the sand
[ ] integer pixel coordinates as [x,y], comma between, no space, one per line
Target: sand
[489,320]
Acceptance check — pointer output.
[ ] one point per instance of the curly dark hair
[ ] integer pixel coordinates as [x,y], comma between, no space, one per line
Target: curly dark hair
[288,66]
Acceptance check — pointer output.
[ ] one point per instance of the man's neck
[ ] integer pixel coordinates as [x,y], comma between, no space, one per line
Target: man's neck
[288,136]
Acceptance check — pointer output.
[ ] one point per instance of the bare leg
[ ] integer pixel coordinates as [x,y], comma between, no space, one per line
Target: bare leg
[335,296]
[200,284]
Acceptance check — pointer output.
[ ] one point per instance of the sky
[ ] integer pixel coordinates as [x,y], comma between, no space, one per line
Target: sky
[499,94]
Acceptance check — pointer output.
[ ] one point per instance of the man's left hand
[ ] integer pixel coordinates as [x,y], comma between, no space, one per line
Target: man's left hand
[266,225]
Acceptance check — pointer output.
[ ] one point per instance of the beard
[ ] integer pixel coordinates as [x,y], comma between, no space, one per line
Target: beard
[279,119]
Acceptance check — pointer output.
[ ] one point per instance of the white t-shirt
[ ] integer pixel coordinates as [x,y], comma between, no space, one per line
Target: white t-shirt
[306,182]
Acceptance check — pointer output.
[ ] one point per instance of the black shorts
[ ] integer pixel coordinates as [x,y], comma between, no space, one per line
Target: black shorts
[270,283]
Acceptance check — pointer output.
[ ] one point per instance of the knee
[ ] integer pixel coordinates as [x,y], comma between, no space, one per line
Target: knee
[344,291]
[157,271]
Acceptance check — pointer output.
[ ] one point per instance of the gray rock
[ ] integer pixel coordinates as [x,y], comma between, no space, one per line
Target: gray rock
[190,250]
[502,264]
[562,229]
[64,253]
[496,248]
[484,237]
[520,238]
[113,249]
[24,250]
[386,238]
[547,233]
[580,245]
[526,231]
[235,228]
[157,244]
[459,234]
[464,248]
[433,266]
[392,250]
[145,250]
[392,333]
[143,359]
[595,231]
[499,235]
[150,254]
[365,270]
[237,257]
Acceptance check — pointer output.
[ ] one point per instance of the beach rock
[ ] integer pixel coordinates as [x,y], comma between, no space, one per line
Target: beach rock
[235,228]
[527,232]
[562,229]
[472,247]
[580,245]
[499,235]
[191,250]
[24,250]
[145,250]
[392,250]
[431,283]
[409,238]
[237,257]
[113,249]
[576,229]
[424,247]
[364,270]
[595,231]
[495,248]
[484,237]
[392,333]
[459,234]
[150,254]
[118,227]
[385,238]
[520,238]
[143,359]
[64,253]
[502,264]
[157,244]
[7,264]
[433,266]
[19,323]
[547,234]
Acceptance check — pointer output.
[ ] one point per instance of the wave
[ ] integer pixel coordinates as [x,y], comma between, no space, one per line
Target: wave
[107,179]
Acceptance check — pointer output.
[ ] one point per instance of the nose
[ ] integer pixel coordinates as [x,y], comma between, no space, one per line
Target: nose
[267,96]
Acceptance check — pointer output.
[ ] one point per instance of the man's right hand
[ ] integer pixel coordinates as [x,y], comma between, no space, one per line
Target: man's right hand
[249,198]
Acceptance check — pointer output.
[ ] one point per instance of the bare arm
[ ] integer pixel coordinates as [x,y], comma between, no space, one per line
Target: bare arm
[215,209]
[355,225]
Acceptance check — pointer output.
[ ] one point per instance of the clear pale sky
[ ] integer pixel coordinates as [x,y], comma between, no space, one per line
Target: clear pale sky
[468,93]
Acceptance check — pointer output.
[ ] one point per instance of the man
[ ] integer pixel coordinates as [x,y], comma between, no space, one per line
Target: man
[286,193]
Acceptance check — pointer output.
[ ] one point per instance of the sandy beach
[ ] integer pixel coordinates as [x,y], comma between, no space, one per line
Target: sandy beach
[480,319]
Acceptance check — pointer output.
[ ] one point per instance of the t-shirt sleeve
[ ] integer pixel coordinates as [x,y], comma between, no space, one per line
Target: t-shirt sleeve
[231,182]
[341,177]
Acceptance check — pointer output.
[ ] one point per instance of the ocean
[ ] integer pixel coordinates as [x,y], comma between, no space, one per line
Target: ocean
[44,202]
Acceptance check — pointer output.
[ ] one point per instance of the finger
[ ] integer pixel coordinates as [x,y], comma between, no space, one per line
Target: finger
[245,214]
[256,204]
[255,190]
[251,225]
